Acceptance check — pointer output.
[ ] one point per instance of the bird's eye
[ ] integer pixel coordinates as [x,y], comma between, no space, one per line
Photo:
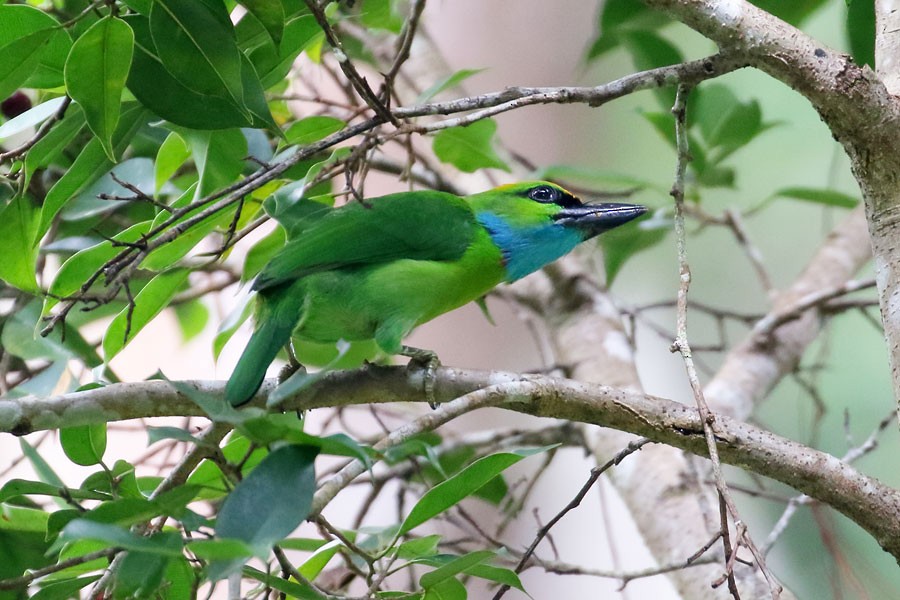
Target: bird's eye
[544,193]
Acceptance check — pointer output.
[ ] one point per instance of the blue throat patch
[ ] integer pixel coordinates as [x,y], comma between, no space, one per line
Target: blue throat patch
[525,250]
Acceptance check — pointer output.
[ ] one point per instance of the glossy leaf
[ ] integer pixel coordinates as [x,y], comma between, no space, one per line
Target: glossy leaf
[148,303]
[283,484]
[95,75]
[18,224]
[30,118]
[84,445]
[273,61]
[159,91]
[140,574]
[172,154]
[196,43]
[290,588]
[19,59]
[312,129]
[860,31]
[49,148]
[270,15]
[90,165]
[314,565]
[88,203]
[449,589]
[192,318]
[380,14]
[19,21]
[819,196]
[461,485]
[469,148]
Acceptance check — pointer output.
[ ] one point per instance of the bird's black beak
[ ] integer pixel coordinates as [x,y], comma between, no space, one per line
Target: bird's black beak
[594,219]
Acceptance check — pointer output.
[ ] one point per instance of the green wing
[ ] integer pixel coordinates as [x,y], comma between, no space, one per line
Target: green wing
[424,225]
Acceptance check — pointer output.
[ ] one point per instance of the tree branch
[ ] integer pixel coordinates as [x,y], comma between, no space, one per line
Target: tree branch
[865,500]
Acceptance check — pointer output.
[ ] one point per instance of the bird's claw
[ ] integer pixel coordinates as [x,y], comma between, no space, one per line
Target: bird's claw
[429,362]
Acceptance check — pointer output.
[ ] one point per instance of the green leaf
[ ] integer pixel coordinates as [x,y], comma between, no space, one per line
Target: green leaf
[18,22]
[461,485]
[419,547]
[819,196]
[218,550]
[166,543]
[173,153]
[64,589]
[497,574]
[84,445]
[449,589]
[649,51]
[219,157]
[446,83]
[90,165]
[192,318]
[312,129]
[726,123]
[148,303]
[140,574]
[159,91]
[469,148]
[95,75]
[622,243]
[319,560]
[380,14]
[195,41]
[19,59]
[88,203]
[273,61]
[24,487]
[454,567]
[291,588]
[860,31]
[18,226]
[49,148]
[794,12]
[269,14]
[80,266]
[268,504]
[620,16]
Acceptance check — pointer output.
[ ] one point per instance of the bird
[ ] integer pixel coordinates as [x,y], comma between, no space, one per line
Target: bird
[378,268]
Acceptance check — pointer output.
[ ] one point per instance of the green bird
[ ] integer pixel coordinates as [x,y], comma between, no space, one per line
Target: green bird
[379,268]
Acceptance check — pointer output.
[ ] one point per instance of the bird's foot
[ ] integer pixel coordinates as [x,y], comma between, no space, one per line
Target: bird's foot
[291,367]
[428,361]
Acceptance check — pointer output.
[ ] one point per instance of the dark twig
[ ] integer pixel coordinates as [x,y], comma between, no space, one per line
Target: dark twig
[43,130]
[596,472]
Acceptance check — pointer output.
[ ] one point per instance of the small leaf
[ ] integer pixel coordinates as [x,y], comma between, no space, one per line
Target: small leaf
[84,445]
[18,225]
[469,148]
[449,589]
[192,318]
[312,129]
[95,74]
[454,567]
[172,153]
[819,196]
[446,83]
[620,16]
[380,14]
[148,303]
[319,560]
[419,547]
[48,150]
[290,588]
[461,485]
[268,504]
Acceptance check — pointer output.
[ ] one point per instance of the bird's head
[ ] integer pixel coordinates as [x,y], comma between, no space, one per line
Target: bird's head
[534,223]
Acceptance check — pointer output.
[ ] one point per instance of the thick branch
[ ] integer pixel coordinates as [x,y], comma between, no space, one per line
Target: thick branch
[865,500]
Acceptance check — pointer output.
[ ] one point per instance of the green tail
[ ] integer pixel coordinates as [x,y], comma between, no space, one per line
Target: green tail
[278,314]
